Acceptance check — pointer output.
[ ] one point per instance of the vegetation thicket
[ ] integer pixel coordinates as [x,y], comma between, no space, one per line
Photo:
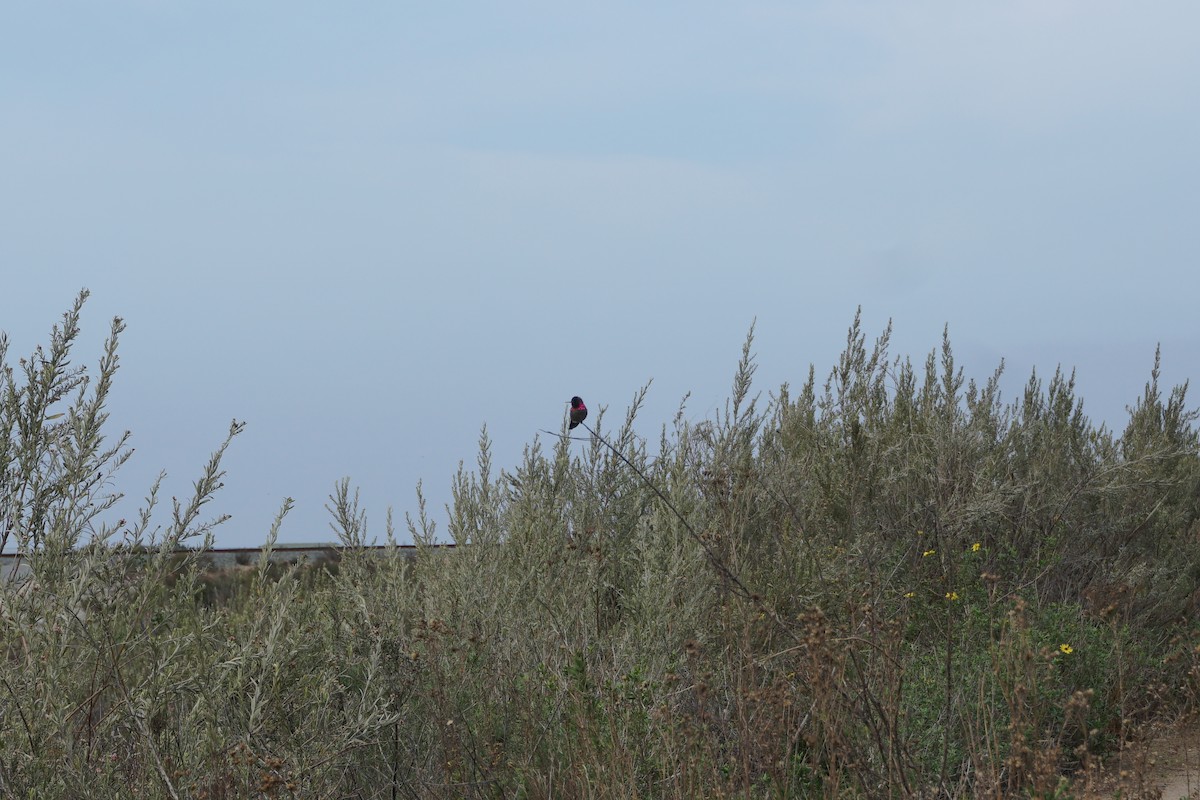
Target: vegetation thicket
[889,584]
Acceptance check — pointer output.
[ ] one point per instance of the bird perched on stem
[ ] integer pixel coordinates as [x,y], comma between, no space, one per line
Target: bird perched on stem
[578,411]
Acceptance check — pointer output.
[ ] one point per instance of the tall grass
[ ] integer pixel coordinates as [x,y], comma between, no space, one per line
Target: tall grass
[892,583]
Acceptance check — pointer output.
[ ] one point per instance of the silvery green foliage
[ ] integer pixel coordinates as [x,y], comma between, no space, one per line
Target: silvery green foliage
[808,594]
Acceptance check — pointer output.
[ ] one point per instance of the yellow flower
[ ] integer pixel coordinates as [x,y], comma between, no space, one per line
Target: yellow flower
[920,533]
[951,596]
[910,594]
[975,547]
[928,553]
[1066,648]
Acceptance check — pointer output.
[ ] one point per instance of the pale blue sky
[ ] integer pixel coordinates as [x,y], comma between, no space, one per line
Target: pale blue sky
[367,229]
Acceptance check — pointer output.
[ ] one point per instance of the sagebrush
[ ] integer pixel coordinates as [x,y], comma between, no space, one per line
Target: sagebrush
[893,583]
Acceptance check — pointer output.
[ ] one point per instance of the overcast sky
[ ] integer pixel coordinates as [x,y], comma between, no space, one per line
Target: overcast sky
[368,229]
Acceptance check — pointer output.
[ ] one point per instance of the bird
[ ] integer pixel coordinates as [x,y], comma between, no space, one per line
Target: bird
[578,411]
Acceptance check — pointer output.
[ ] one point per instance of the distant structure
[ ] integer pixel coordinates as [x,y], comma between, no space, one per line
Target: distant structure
[231,557]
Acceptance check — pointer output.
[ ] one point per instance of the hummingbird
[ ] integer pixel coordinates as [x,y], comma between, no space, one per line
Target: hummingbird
[578,411]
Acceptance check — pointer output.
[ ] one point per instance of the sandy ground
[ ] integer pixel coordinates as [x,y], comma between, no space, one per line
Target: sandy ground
[1176,762]
[1166,766]
[1170,763]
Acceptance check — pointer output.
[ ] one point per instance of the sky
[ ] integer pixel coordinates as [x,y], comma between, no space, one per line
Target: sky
[370,229]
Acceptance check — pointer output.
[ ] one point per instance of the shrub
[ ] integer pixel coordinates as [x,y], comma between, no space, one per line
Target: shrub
[889,584]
